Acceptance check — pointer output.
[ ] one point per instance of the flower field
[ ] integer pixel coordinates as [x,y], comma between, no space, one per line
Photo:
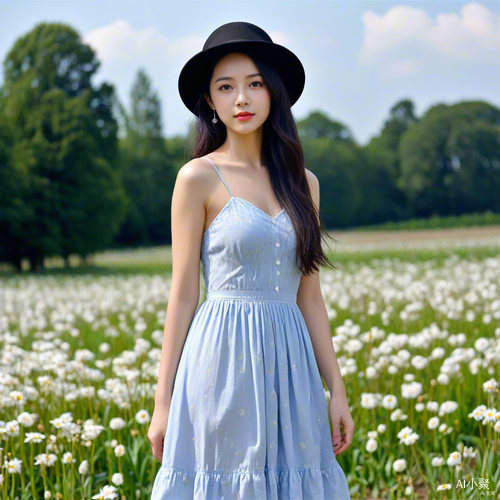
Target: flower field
[417,335]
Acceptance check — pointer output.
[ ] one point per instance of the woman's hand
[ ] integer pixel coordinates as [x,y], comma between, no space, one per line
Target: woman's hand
[340,415]
[158,429]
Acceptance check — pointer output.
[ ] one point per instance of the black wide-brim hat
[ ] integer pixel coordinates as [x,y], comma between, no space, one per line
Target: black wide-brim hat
[239,37]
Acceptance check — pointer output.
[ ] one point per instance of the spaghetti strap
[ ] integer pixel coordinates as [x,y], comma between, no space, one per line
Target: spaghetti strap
[221,178]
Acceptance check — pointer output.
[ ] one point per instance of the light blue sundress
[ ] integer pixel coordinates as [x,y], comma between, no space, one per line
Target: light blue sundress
[248,416]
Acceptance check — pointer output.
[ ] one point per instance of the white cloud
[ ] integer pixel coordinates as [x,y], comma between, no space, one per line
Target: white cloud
[120,42]
[396,40]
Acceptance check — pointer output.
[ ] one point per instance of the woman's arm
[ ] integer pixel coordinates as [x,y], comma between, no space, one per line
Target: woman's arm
[188,220]
[312,306]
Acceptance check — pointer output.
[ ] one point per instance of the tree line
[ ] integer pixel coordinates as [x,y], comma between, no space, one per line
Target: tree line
[71,184]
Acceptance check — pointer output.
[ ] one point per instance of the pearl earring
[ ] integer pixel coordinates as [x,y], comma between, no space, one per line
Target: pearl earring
[214,120]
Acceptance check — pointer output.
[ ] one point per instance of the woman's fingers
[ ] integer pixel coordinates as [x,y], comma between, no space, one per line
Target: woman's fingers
[336,435]
[347,438]
[157,447]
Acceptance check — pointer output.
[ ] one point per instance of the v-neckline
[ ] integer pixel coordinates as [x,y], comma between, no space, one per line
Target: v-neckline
[230,202]
[261,211]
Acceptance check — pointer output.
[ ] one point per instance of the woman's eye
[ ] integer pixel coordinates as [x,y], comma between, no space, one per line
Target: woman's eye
[222,88]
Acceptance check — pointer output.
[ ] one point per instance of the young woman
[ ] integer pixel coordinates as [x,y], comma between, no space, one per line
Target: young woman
[240,410]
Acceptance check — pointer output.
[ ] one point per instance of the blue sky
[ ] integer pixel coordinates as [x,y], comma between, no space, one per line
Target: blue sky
[360,57]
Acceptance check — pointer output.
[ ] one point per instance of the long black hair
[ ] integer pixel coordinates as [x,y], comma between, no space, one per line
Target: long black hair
[283,156]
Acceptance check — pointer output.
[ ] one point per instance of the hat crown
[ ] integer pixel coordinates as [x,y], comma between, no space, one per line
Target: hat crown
[236,32]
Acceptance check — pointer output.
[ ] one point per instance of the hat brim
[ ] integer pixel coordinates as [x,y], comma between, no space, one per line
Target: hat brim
[283,59]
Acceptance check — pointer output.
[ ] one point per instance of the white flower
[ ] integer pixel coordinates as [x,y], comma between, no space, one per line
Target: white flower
[478,412]
[36,437]
[83,468]
[13,466]
[489,415]
[117,423]
[407,436]
[419,362]
[371,445]
[106,492]
[16,396]
[120,450]
[26,419]
[372,434]
[353,345]
[369,400]
[381,428]
[47,495]
[399,465]
[481,344]
[408,491]
[68,458]
[490,385]
[443,487]
[411,390]
[12,428]
[419,407]
[437,353]
[398,414]
[390,401]
[443,379]
[91,430]
[104,348]
[455,458]
[142,416]
[448,407]
[47,459]
[433,422]
[469,452]
[84,355]
[432,406]
[117,479]
[437,461]
[63,421]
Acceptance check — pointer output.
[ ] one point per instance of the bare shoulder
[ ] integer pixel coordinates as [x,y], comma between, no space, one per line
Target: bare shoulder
[195,176]
[313,185]
[312,179]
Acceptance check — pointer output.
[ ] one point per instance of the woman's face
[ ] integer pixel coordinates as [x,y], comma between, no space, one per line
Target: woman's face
[235,86]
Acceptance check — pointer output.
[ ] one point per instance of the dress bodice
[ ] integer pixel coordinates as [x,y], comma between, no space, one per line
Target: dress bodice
[246,249]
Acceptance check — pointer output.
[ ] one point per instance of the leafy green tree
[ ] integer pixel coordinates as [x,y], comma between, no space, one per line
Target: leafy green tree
[12,208]
[146,168]
[357,184]
[401,117]
[63,152]
[338,167]
[450,160]
[383,200]
[474,183]
[318,125]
